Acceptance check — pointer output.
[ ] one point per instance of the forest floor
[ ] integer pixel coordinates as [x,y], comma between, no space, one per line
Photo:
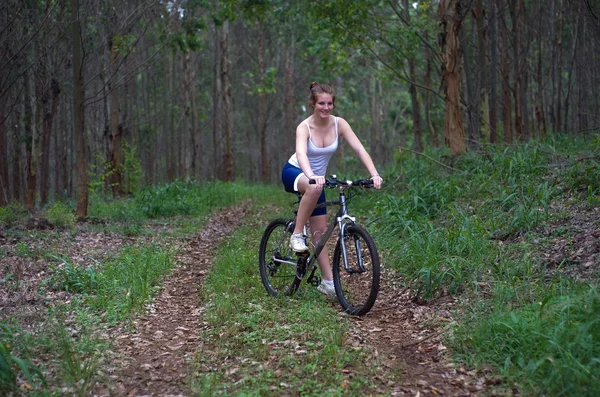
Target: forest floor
[150,355]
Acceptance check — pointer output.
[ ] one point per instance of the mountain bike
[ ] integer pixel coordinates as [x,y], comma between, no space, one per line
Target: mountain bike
[355,259]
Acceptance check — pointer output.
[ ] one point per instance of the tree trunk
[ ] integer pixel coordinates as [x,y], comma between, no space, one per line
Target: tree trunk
[576,40]
[469,92]
[188,150]
[33,144]
[217,152]
[427,98]
[540,119]
[227,166]
[3,152]
[454,133]
[78,114]
[47,123]
[493,73]
[506,94]
[519,66]
[262,104]
[558,72]
[484,109]
[414,99]
[289,107]
[115,148]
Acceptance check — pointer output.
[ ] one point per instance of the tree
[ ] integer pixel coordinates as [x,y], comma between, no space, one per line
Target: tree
[449,13]
[78,114]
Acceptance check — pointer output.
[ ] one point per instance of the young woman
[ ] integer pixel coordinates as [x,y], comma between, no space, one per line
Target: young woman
[316,140]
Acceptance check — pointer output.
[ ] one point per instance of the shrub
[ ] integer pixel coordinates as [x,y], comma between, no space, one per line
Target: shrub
[61,215]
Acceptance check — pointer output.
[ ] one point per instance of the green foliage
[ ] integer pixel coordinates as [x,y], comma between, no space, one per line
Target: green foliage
[130,169]
[12,366]
[13,213]
[80,356]
[23,250]
[61,215]
[551,345]
[132,173]
[187,198]
[71,278]
[120,286]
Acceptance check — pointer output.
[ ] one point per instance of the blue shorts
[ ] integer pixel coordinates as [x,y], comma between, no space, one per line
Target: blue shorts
[290,176]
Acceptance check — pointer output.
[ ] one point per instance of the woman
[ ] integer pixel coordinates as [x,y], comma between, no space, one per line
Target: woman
[316,141]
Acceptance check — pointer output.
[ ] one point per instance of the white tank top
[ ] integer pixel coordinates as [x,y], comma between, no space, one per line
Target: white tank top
[318,157]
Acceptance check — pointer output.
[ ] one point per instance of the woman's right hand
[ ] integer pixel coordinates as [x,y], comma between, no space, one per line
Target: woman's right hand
[319,180]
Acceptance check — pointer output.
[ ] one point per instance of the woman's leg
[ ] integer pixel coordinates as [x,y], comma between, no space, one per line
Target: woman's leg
[307,204]
[318,226]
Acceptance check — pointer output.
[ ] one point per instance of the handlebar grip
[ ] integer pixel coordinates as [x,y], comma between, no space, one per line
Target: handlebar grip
[367,183]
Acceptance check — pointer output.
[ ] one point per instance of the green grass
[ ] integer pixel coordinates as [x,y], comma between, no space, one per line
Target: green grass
[470,234]
[292,345]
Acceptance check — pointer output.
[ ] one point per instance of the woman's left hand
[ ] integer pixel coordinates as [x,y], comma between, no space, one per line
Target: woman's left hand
[377,181]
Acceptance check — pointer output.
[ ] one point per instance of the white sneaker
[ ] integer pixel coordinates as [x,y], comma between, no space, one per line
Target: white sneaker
[326,289]
[297,243]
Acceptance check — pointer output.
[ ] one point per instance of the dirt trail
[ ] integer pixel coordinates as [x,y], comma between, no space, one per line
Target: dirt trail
[152,359]
[407,337]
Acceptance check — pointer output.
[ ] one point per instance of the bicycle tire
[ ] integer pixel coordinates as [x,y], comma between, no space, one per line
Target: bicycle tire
[277,278]
[356,289]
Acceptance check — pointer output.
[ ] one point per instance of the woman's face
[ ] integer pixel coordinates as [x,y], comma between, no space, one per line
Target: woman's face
[324,105]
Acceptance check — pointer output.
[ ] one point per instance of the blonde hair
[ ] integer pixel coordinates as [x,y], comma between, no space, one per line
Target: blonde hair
[316,89]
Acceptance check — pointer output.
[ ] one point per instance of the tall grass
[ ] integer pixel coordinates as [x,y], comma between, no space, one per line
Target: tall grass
[456,233]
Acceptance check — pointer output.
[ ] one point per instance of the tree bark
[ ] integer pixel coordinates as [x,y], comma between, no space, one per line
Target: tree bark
[469,92]
[484,109]
[33,141]
[493,73]
[427,98]
[3,153]
[516,10]
[414,99]
[262,104]
[78,114]
[227,166]
[449,12]
[506,92]
[115,146]
[47,124]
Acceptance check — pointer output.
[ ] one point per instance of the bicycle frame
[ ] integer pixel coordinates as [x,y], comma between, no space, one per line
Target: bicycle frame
[341,221]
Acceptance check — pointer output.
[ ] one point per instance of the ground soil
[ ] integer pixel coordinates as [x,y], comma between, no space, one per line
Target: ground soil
[151,354]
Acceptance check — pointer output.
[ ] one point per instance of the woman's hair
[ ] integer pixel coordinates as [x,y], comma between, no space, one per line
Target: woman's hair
[316,89]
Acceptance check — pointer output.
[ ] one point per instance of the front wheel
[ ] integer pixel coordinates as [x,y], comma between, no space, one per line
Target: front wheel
[357,281]
[276,260]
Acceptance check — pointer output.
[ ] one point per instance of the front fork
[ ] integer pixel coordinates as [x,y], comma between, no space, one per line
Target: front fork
[349,269]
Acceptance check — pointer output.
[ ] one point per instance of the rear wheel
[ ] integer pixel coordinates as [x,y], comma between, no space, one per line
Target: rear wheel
[277,262]
[356,285]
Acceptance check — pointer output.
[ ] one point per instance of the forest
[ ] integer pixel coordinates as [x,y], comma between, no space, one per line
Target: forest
[123,95]
[141,148]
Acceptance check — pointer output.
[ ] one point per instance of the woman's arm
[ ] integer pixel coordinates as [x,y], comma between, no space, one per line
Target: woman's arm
[345,130]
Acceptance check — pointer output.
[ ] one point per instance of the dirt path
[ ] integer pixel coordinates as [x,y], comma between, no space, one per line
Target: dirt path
[151,357]
[407,337]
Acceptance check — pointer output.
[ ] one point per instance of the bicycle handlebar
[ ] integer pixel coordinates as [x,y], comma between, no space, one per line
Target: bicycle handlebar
[333,182]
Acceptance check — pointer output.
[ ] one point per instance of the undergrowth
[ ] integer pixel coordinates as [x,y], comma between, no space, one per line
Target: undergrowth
[457,232]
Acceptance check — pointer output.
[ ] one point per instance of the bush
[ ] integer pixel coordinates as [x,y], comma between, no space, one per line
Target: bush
[61,215]
[12,213]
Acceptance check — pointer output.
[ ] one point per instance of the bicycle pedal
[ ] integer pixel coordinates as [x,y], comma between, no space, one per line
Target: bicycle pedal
[315,281]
